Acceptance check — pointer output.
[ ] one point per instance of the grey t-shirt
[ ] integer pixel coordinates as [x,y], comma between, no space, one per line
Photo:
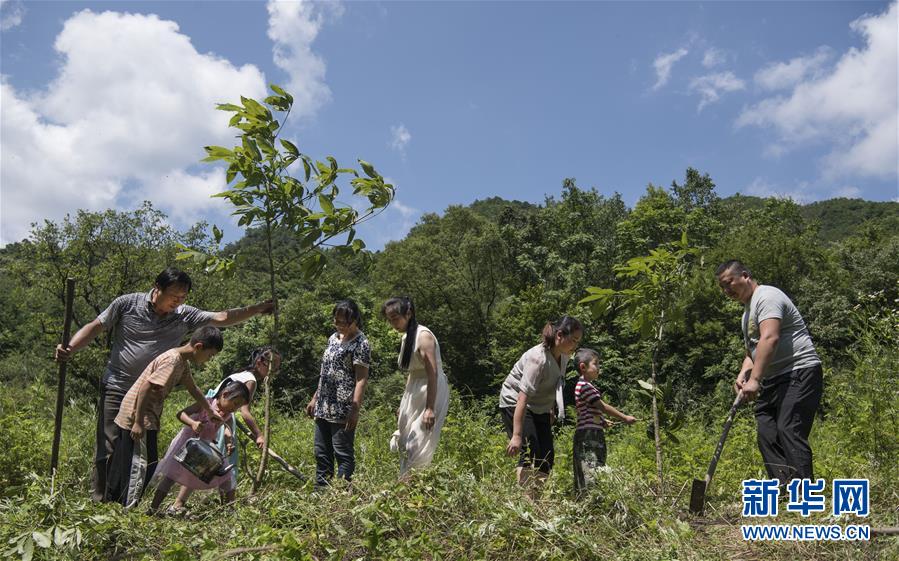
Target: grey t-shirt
[795,349]
[539,376]
[139,335]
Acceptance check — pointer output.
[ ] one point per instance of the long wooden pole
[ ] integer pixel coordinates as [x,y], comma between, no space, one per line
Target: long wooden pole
[61,387]
[267,429]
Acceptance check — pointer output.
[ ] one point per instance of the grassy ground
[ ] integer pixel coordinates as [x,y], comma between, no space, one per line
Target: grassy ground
[464,507]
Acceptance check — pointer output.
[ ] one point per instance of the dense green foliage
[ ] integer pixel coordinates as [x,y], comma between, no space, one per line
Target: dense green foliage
[485,278]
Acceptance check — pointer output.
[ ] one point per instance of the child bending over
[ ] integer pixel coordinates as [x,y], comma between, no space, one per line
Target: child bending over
[231,396]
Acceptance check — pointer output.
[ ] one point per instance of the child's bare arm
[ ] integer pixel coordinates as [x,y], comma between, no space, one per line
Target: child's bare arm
[611,411]
[198,396]
[229,438]
[186,417]
[252,424]
[137,427]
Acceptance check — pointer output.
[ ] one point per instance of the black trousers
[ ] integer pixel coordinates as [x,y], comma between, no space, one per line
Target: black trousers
[537,448]
[332,440]
[124,484]
[107,431]
[784,413]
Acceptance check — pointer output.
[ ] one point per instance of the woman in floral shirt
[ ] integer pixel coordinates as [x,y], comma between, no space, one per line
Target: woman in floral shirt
[336,403]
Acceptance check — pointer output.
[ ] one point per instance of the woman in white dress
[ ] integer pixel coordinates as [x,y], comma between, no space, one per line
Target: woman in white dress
[426,397]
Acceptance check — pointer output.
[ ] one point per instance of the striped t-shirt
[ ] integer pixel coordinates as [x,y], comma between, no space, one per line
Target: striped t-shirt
[586,400]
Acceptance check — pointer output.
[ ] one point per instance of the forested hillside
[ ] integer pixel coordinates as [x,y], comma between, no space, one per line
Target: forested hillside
[485,278]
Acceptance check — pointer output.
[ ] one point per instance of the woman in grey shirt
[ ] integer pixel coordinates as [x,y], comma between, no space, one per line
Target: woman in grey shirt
[529,393]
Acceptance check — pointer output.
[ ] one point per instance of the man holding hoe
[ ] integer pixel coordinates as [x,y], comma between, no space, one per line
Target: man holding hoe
[784,372]
[143,326]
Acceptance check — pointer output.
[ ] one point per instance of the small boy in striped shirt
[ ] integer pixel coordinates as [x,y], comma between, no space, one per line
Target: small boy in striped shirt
[589,436]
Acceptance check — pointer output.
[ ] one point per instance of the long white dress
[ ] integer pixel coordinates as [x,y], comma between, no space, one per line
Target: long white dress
[416,444]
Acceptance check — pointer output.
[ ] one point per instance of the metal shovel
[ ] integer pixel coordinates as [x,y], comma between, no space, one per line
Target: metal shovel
[697,493]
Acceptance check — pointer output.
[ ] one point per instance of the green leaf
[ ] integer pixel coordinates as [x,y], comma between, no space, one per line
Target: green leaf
[368,169]
[290,147]
[228,107]
[42,539]
[250,147]
[217,234]
[255,108]
[645,385]
[592,298]
[326,204]
[266,146]
[277,89]
[217,153]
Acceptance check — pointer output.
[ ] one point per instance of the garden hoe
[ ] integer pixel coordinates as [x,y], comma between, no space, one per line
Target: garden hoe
[697,494]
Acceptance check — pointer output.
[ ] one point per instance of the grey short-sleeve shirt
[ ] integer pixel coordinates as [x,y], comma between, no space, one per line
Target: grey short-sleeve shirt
[537,374]
[139,335]
[795,349]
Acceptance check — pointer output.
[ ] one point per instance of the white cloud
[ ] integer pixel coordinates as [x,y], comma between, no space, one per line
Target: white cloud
[785,75]
[761,187]
[391,225]
[293,26]
[852,108]
[848,192]
[118,113]
[663,64]
[713,57]
[711,86]
[399,138]
[12,12]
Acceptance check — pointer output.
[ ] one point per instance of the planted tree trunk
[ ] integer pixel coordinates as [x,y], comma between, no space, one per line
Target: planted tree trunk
[655,408]
[267,431]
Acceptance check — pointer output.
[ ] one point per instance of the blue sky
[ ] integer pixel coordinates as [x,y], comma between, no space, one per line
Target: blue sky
[106,104]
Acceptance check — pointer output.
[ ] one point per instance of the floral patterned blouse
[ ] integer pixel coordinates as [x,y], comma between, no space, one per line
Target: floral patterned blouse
[337,380]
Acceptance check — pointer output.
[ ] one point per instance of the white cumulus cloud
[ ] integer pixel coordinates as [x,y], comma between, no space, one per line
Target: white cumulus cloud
[852,108]
[118,114]
[400,138]
[12,12]
[293,26]
[761,187]
[784,75]
[713,57]
[711,86]
[662,65]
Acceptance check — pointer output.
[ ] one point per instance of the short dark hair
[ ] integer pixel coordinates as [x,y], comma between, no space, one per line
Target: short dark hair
[735,264]
[210,336]
[232,389]
[172,276]
[584,356]
[348,311]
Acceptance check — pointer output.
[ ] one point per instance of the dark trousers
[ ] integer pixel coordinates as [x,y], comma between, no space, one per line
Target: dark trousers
[120,477]
[784,414]
[589,455]
[537,447]
[107,432]
[333,441]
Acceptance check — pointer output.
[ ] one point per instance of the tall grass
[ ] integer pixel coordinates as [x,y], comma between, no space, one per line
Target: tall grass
[466,506]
